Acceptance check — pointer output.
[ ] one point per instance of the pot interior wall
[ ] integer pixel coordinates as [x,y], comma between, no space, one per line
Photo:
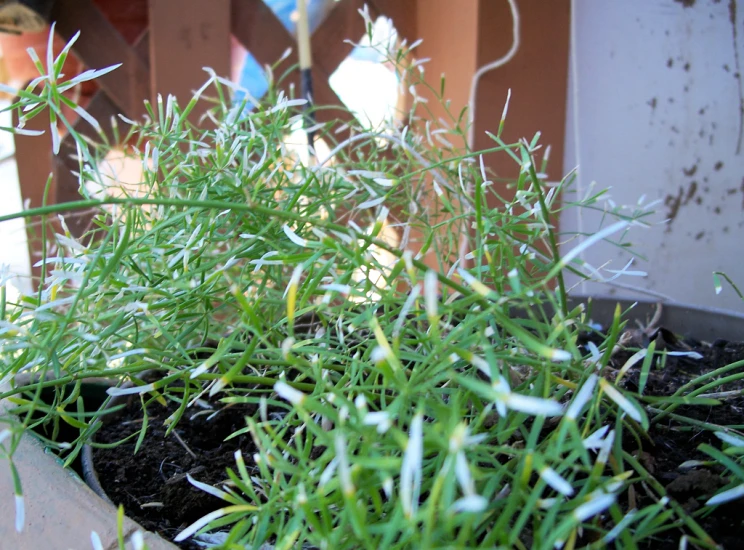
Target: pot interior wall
[700,323]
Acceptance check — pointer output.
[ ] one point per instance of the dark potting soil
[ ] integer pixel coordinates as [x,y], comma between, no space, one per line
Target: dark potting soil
[153,488]
[674,442]
[152,484]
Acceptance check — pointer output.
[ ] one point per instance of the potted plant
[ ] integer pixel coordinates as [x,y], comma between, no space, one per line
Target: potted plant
[305,346]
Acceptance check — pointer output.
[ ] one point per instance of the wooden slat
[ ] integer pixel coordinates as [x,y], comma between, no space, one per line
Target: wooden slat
[102,109]
[185,36]
[99,46]
[259,30]
[402,12]
[342,23]
[261,33]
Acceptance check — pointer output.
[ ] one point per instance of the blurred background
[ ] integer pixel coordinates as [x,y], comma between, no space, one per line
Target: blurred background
[643,96]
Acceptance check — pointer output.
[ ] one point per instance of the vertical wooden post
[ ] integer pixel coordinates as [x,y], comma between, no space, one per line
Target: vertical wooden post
[537,76]
[185,36]
[447,28]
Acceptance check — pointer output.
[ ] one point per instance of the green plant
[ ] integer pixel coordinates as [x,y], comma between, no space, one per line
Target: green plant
[717,275]
[418,407]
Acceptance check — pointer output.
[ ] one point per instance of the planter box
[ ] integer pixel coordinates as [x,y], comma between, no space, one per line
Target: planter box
[61,511]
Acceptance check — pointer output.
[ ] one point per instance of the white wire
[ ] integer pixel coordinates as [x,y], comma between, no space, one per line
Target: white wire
[491,66]
[471,103]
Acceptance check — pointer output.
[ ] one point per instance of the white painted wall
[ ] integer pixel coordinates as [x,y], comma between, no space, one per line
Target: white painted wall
[660,108]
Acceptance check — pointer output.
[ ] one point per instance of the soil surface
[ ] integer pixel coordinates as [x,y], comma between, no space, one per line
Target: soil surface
[153,488]
[674,442]
[152,484]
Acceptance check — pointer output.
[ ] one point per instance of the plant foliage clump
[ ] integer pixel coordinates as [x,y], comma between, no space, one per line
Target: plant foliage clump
[397,313]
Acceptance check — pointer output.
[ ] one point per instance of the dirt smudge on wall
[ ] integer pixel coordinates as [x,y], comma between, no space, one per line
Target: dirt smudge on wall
[675,202]
[691,190]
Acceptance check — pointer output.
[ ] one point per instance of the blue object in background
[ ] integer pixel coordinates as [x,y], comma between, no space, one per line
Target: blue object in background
[252,79]
[252,76]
